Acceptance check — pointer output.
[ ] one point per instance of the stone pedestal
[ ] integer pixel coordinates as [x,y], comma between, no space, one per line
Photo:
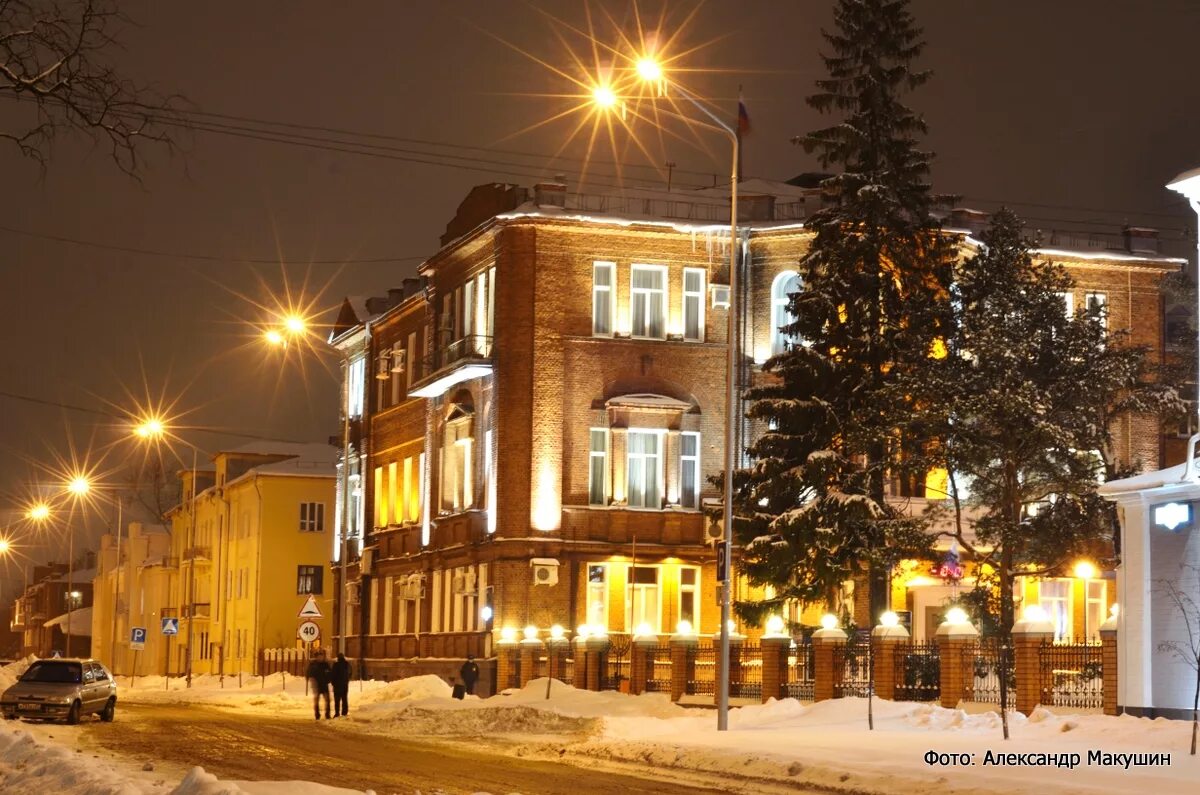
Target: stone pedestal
[641,663]
[507,665]
[827,675]
[1028,637]
[683,665]
[735,660]
[956,678]
[775,650]
[888,642]
[1108,662]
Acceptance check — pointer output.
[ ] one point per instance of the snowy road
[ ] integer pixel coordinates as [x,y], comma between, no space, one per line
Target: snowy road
[254,746]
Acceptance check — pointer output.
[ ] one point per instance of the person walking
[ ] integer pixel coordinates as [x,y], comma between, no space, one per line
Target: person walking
[341,686]
[469,673]
[319,675]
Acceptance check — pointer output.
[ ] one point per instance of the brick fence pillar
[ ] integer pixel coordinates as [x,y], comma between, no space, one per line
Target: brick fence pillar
[557,649]
[506,665]
[597,661]
[531,651]
[1108,665]
[827,677]
[683,664]
[775,650]
[889,641]
[954,639]
[579,671]
[1028,636]
[641,660]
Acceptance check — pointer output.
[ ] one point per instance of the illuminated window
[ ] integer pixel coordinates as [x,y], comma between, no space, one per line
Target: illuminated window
[309,579]
[644,469]
[693,304]
[602,298]
[457,458]
[1054,596]
[689,595]
[597,595]
[411,362]
[689,470]
[354,386]
[782,288]
[1096,608]
[648,301]
[597,466]
[642,605]
[1097,306]
[381,512]
[1068,301]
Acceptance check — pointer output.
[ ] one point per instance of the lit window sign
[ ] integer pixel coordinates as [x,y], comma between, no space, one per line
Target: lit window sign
[1173,516]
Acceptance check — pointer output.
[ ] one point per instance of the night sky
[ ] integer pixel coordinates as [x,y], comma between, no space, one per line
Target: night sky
[1071,111]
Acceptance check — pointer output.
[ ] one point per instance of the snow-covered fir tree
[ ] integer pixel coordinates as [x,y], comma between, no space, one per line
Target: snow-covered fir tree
[1022,408]
[872,305]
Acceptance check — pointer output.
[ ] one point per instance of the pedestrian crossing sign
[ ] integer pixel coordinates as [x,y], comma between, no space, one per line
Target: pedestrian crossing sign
[310,609]
[170,626]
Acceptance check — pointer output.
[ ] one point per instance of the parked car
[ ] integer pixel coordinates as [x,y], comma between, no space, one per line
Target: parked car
[61,689]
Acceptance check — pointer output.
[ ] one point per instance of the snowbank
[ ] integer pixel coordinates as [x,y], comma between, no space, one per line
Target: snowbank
[11,672]
[270,694]
[199,782]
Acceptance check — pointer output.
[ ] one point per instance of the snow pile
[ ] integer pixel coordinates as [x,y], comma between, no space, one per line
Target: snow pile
[200,782]
[29,766]
[415,687]
[271,693]
[11,672]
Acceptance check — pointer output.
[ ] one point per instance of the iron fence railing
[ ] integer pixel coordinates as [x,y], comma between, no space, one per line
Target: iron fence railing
[801,671]
[658,675]
[918,672]
[702,670]
[983,664]
[1071,675]
[853,659]
[749,684]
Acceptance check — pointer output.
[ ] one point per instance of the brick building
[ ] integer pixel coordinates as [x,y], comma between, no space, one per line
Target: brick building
[529,429]
[55,595]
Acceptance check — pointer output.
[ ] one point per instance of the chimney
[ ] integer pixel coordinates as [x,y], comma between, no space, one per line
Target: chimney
[1140,240]
[756,207]
[551,194]
[395,296]
[411,286]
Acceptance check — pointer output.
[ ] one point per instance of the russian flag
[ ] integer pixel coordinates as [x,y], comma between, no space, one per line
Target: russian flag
[743,120]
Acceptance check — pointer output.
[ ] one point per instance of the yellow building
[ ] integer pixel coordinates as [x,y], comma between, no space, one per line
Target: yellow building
[257,548]
[138,585]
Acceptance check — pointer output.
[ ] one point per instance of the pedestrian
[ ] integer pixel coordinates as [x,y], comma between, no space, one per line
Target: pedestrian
[469,673]
[341,686]
[319,675]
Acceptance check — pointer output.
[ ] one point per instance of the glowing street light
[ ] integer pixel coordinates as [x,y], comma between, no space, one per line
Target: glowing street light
[649,69]
[604,96]
[273,337]
[150,428]
[79,486]
[1084,570]
[39,512]
[295,324]
[5,546]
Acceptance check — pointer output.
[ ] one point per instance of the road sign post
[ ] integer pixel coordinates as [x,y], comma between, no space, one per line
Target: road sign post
[137,638]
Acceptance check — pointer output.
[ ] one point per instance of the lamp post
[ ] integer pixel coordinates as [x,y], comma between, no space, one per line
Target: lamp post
[78,487]
[650,71]
[1188,184]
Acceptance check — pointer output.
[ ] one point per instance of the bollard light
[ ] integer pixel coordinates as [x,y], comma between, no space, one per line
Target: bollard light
[557,632]
[889,619]
[775,625]
[531,632]
[956,615]
[644,630]
[829,621]
[684,628]
[1034,613]
[508,635]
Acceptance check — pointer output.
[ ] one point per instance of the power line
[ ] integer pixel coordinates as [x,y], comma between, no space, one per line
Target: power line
[123,418]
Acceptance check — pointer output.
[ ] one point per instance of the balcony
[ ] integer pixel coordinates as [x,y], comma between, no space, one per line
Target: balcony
[462,360]
[203,610]
[203,554]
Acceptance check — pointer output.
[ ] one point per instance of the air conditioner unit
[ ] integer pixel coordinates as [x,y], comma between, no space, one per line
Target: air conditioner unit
[399,359]
[545,571]
[352,593]
[382,369]
[414,586]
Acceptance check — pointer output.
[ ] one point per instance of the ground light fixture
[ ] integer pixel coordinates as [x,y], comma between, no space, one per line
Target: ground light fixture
[889,619]
[774,625]
[508,635]
[829,621]
[531,632]
[956,615]
[684,629]
[557,632]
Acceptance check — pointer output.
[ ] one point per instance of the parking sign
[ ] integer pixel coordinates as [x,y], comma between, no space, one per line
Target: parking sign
[137,638]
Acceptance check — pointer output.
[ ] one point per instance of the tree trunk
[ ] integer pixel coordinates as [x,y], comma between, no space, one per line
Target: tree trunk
[1196,708]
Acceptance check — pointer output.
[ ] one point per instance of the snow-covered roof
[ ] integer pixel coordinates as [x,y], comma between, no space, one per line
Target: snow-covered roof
[307,451]
[81,621]
[1171,476]
[79,576]
[1187,183]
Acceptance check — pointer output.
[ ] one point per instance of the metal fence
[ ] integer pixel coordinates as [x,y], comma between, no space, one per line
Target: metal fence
[918,672]
[983,664]
[288,660]
[616,662]
[749,684]
[801,671]
[854,661]
[1071,675]
[702,667]
[658,676]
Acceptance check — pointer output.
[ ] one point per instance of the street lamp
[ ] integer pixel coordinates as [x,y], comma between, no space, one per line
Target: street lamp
[79,487]
[1188,184]
[154,429]
[649,70]
[38,513]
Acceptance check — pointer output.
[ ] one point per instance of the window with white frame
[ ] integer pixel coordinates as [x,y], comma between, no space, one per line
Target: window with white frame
[1068,302]
[1054,596]
[643,605]
[644,469]
[693,304]
[648,301]
[597,595]
[603,283]
[689,595]
[309,579]
[689,469]
[457,459]
[597,466]
[1095,610]
[1097,306]
[312,517]
[355,374]
[782,288]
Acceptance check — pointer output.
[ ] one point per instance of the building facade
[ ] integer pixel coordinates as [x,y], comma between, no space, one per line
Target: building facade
[56,594]
[133,590]
[537,422]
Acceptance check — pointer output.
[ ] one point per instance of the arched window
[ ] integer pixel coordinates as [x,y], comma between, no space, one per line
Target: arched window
[782,288]
[458,438]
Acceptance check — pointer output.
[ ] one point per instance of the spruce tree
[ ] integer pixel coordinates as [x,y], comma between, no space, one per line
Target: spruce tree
[873,303]
[1022,407]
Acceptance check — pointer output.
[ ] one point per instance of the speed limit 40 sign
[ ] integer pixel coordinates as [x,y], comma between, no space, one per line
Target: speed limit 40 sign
[308,632]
